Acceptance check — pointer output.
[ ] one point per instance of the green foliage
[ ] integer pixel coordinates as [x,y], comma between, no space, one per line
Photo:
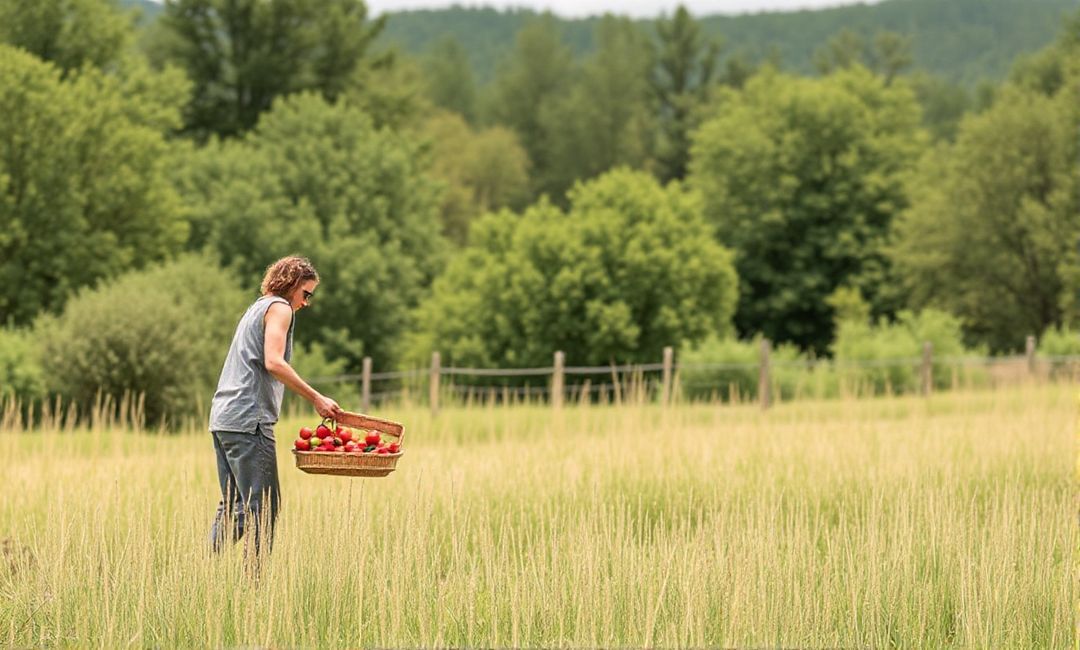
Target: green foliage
[83,191]
[628,269]
[684,69]
[605,118]
[887,356]
[243,54]
[1062,344]
[321,180]
[887,55]
[390,91]
[450,83]
[992,228]
[802,177]
[21,375]
[533,76]
[162,332]
[729,369]
[67,33]
[943,104]
[482,171]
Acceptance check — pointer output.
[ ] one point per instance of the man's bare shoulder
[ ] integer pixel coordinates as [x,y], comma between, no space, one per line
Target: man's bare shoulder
[278,312]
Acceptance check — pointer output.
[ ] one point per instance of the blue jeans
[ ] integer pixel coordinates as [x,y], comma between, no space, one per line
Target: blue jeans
[250,493]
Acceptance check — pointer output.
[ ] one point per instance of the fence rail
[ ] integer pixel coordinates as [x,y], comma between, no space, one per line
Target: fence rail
[556,389]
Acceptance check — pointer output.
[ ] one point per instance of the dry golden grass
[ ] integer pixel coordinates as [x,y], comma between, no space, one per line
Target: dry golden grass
[907,522]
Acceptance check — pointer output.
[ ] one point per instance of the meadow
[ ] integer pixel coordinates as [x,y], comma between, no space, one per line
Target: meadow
[947,521]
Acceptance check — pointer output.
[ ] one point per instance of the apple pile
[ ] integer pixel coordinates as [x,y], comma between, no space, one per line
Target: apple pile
[343,440]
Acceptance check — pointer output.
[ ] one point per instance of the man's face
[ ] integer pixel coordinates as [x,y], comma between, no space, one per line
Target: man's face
[302,295]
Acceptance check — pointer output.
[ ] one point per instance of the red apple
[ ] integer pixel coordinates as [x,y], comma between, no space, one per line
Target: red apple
[302,445]
[394,447]
[346,436]
[305,433]
[324,431]
[372,439]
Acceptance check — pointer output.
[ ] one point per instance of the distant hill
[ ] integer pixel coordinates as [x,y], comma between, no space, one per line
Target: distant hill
[964,41]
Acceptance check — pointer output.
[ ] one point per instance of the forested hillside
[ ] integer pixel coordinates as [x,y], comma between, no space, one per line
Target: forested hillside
[961,40]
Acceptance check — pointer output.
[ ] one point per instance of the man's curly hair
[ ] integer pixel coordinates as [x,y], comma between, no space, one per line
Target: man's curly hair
[283,276]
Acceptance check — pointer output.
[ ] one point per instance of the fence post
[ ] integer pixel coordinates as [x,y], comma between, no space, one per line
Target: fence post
[433,383]
[764,383]
[365,386]
[1029,350]
[665,391]
[557,380]
[927,369]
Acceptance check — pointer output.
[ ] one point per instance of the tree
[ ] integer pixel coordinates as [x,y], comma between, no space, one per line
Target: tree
[802,178]
[242,54]
[627,270]
[992,231]
[684,70]
[481,170]
[319,179]
[943,104]
[537,73]
[888,55]
[449,77]
[68,33]
[391,91]
[83,187]
[606,119]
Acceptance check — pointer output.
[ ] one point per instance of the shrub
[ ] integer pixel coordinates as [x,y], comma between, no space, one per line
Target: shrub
[727,367]
[162,332]
[887,357]
[21,376]
[1060,343]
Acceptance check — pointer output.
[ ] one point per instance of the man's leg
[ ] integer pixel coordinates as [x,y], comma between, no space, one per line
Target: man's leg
[252,461]
[228,520]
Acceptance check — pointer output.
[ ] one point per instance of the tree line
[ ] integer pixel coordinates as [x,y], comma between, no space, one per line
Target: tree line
[645,195]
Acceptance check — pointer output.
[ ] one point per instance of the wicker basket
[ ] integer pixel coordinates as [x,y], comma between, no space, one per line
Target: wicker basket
[339,463]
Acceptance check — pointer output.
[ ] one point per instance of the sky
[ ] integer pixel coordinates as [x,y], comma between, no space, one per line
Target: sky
[636,8]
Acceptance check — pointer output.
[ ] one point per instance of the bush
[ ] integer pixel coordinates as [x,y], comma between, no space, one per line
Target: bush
[737,371]
[887,357]
[1060,343]
[162,332]
[21,376]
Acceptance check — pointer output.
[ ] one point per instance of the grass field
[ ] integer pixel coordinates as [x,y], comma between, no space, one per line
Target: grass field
[891,522]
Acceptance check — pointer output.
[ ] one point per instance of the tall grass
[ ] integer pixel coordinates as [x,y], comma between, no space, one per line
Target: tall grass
[892,522]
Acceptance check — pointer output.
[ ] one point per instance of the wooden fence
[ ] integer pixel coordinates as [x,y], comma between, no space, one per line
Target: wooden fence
[556,387]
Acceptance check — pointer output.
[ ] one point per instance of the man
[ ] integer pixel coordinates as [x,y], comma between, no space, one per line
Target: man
[247,403]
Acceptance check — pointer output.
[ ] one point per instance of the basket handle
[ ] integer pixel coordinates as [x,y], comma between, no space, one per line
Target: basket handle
[361,421]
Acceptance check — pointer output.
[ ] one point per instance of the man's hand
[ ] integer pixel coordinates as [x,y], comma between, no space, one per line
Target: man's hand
[327,407]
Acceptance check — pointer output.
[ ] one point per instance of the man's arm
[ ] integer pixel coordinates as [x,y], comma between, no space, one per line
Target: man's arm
[277,320]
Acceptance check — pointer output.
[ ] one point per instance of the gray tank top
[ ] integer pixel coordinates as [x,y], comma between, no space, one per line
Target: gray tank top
[247,395]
